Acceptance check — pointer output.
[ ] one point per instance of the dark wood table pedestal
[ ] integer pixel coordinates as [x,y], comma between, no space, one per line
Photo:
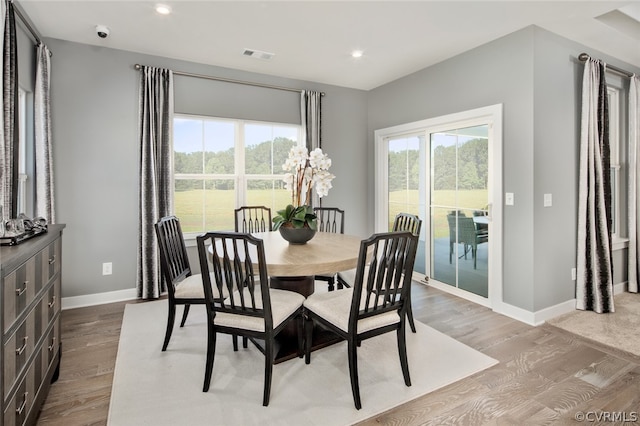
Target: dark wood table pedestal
[288,338]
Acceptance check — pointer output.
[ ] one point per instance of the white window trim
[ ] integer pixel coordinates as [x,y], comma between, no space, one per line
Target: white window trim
[240,179]
[490,114]
[619,242]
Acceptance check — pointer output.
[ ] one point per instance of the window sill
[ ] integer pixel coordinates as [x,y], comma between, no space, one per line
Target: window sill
[190,240]
[620,243]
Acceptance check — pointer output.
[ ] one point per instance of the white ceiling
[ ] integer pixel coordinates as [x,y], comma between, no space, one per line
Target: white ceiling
[312,40]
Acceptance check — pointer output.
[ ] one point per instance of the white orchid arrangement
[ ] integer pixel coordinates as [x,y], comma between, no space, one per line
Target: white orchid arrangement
[305,171]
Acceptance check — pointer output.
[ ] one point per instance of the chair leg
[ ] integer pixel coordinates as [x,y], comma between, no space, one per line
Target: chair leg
[235,343]
[184,314]
[331,282]
[211,352]
[410,310]
[402,351]
[245,342]
[171,318]
[450,250]
[410,316]
[308,328]
[353,372]
[300,324]
[474,252]
[268,369]
[342,283]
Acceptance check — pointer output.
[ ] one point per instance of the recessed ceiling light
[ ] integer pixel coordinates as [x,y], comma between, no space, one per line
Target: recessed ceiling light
[356,54]
[163,9]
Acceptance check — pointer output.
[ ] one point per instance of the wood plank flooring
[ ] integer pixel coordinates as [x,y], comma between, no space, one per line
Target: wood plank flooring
[545,374]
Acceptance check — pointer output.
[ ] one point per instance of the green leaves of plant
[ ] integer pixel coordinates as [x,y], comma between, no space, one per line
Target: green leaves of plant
[297,217]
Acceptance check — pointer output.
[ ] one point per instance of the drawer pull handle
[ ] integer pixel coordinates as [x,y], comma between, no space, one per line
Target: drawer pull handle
[22,406]
[52,346]
[52,259]
[20,291]
[53,302]
[23,347]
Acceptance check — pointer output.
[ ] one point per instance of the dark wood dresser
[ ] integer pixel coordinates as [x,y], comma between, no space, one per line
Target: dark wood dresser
[30,276]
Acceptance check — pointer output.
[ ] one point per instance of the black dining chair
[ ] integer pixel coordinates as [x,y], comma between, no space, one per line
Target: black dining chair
[402,222]
[330,219]
[253,219]
[252,309]
[376,304]
[183,287]
[412,223]
[463,230]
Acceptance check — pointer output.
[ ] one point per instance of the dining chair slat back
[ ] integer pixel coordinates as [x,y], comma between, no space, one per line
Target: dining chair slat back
[251,310]
[253,219]
[412,223]
[376,304]
[183,287]
[330,219]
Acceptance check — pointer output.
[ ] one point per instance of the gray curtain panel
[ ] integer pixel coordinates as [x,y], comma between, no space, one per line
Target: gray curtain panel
[9,156]
[156,165]
[594,285]
[634,185]
[45,202]
[311,114]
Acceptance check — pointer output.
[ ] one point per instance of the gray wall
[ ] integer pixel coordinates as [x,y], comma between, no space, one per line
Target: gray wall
[532,72]
[94,94]
[537,78]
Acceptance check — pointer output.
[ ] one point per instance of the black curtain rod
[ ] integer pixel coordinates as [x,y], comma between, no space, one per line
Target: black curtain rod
[584,57]
[229,80]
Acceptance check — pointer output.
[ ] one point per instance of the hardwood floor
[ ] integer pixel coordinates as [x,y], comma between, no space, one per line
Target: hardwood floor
[545,375]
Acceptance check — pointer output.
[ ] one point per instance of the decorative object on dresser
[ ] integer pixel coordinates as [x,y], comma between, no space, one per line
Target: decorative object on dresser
[30,276]
[14,231]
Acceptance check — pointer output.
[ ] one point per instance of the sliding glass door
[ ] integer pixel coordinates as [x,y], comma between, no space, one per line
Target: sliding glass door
[447,171]
[406,186]
[459,207]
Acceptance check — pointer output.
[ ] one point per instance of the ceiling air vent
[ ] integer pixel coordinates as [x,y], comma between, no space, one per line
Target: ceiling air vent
[258,54]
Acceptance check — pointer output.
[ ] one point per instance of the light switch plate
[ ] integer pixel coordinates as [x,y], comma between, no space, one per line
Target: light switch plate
[508,198]
[548,200]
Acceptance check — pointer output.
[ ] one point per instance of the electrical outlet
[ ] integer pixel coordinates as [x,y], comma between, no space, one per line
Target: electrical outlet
[548,200]
[573,274]
[106,268]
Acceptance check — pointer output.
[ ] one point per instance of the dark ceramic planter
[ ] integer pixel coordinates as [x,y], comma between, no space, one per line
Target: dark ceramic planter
[297,235]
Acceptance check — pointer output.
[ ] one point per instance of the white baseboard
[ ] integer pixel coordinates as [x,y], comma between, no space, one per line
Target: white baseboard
[532,318]
[98,298]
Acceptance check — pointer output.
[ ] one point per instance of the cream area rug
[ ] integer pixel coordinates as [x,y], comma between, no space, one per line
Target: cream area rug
[151,387]
[618,329]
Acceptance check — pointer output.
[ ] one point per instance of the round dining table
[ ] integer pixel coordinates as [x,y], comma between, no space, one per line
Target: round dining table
[293,266]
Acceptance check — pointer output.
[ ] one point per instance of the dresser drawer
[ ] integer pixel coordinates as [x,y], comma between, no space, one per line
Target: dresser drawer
[19,290]
[49,306]
[17,409]
[49,261]
[50,347]
[17,349]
